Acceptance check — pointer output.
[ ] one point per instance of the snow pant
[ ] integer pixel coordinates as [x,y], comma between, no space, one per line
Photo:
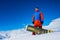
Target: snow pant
[37,23]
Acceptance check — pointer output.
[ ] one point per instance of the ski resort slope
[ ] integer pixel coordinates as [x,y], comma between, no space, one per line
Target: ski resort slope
[22,34]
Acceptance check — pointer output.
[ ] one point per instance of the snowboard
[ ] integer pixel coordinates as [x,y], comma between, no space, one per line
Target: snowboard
[38,30]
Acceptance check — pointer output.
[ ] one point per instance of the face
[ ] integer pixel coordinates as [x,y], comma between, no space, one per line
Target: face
[36,9]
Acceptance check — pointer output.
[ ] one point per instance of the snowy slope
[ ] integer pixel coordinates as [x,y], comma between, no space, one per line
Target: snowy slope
[22,34]
[27,36]
[54,25]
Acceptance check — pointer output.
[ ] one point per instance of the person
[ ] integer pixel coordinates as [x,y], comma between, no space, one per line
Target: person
[37,19]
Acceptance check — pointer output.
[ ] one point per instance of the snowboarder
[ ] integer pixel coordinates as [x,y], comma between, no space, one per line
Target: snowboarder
[37,19]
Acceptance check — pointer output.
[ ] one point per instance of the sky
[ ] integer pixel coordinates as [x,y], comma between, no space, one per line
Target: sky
[15,13]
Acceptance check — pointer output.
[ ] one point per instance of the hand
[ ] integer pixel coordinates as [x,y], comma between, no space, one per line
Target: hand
[33,22]
[42,22]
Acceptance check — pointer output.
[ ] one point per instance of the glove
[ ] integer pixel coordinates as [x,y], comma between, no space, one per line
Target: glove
[41,21]
[33,22]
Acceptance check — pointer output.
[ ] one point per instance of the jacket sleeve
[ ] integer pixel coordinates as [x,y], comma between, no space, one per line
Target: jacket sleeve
[32,17]
[41,15]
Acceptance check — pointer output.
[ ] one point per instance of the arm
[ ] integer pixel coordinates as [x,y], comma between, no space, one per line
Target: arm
[42,17]
[33,19]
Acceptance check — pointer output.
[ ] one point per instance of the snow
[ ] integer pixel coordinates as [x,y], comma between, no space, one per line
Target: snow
[54,25]
[27,36]
[22,34]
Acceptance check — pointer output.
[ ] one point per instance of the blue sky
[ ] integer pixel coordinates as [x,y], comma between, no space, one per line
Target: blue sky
[15,13]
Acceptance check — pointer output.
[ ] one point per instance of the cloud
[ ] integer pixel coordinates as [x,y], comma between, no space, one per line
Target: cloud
[22,34]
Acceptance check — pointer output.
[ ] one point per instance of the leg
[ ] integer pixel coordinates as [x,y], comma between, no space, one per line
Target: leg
[33,33]
[36,24]
[40,26]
